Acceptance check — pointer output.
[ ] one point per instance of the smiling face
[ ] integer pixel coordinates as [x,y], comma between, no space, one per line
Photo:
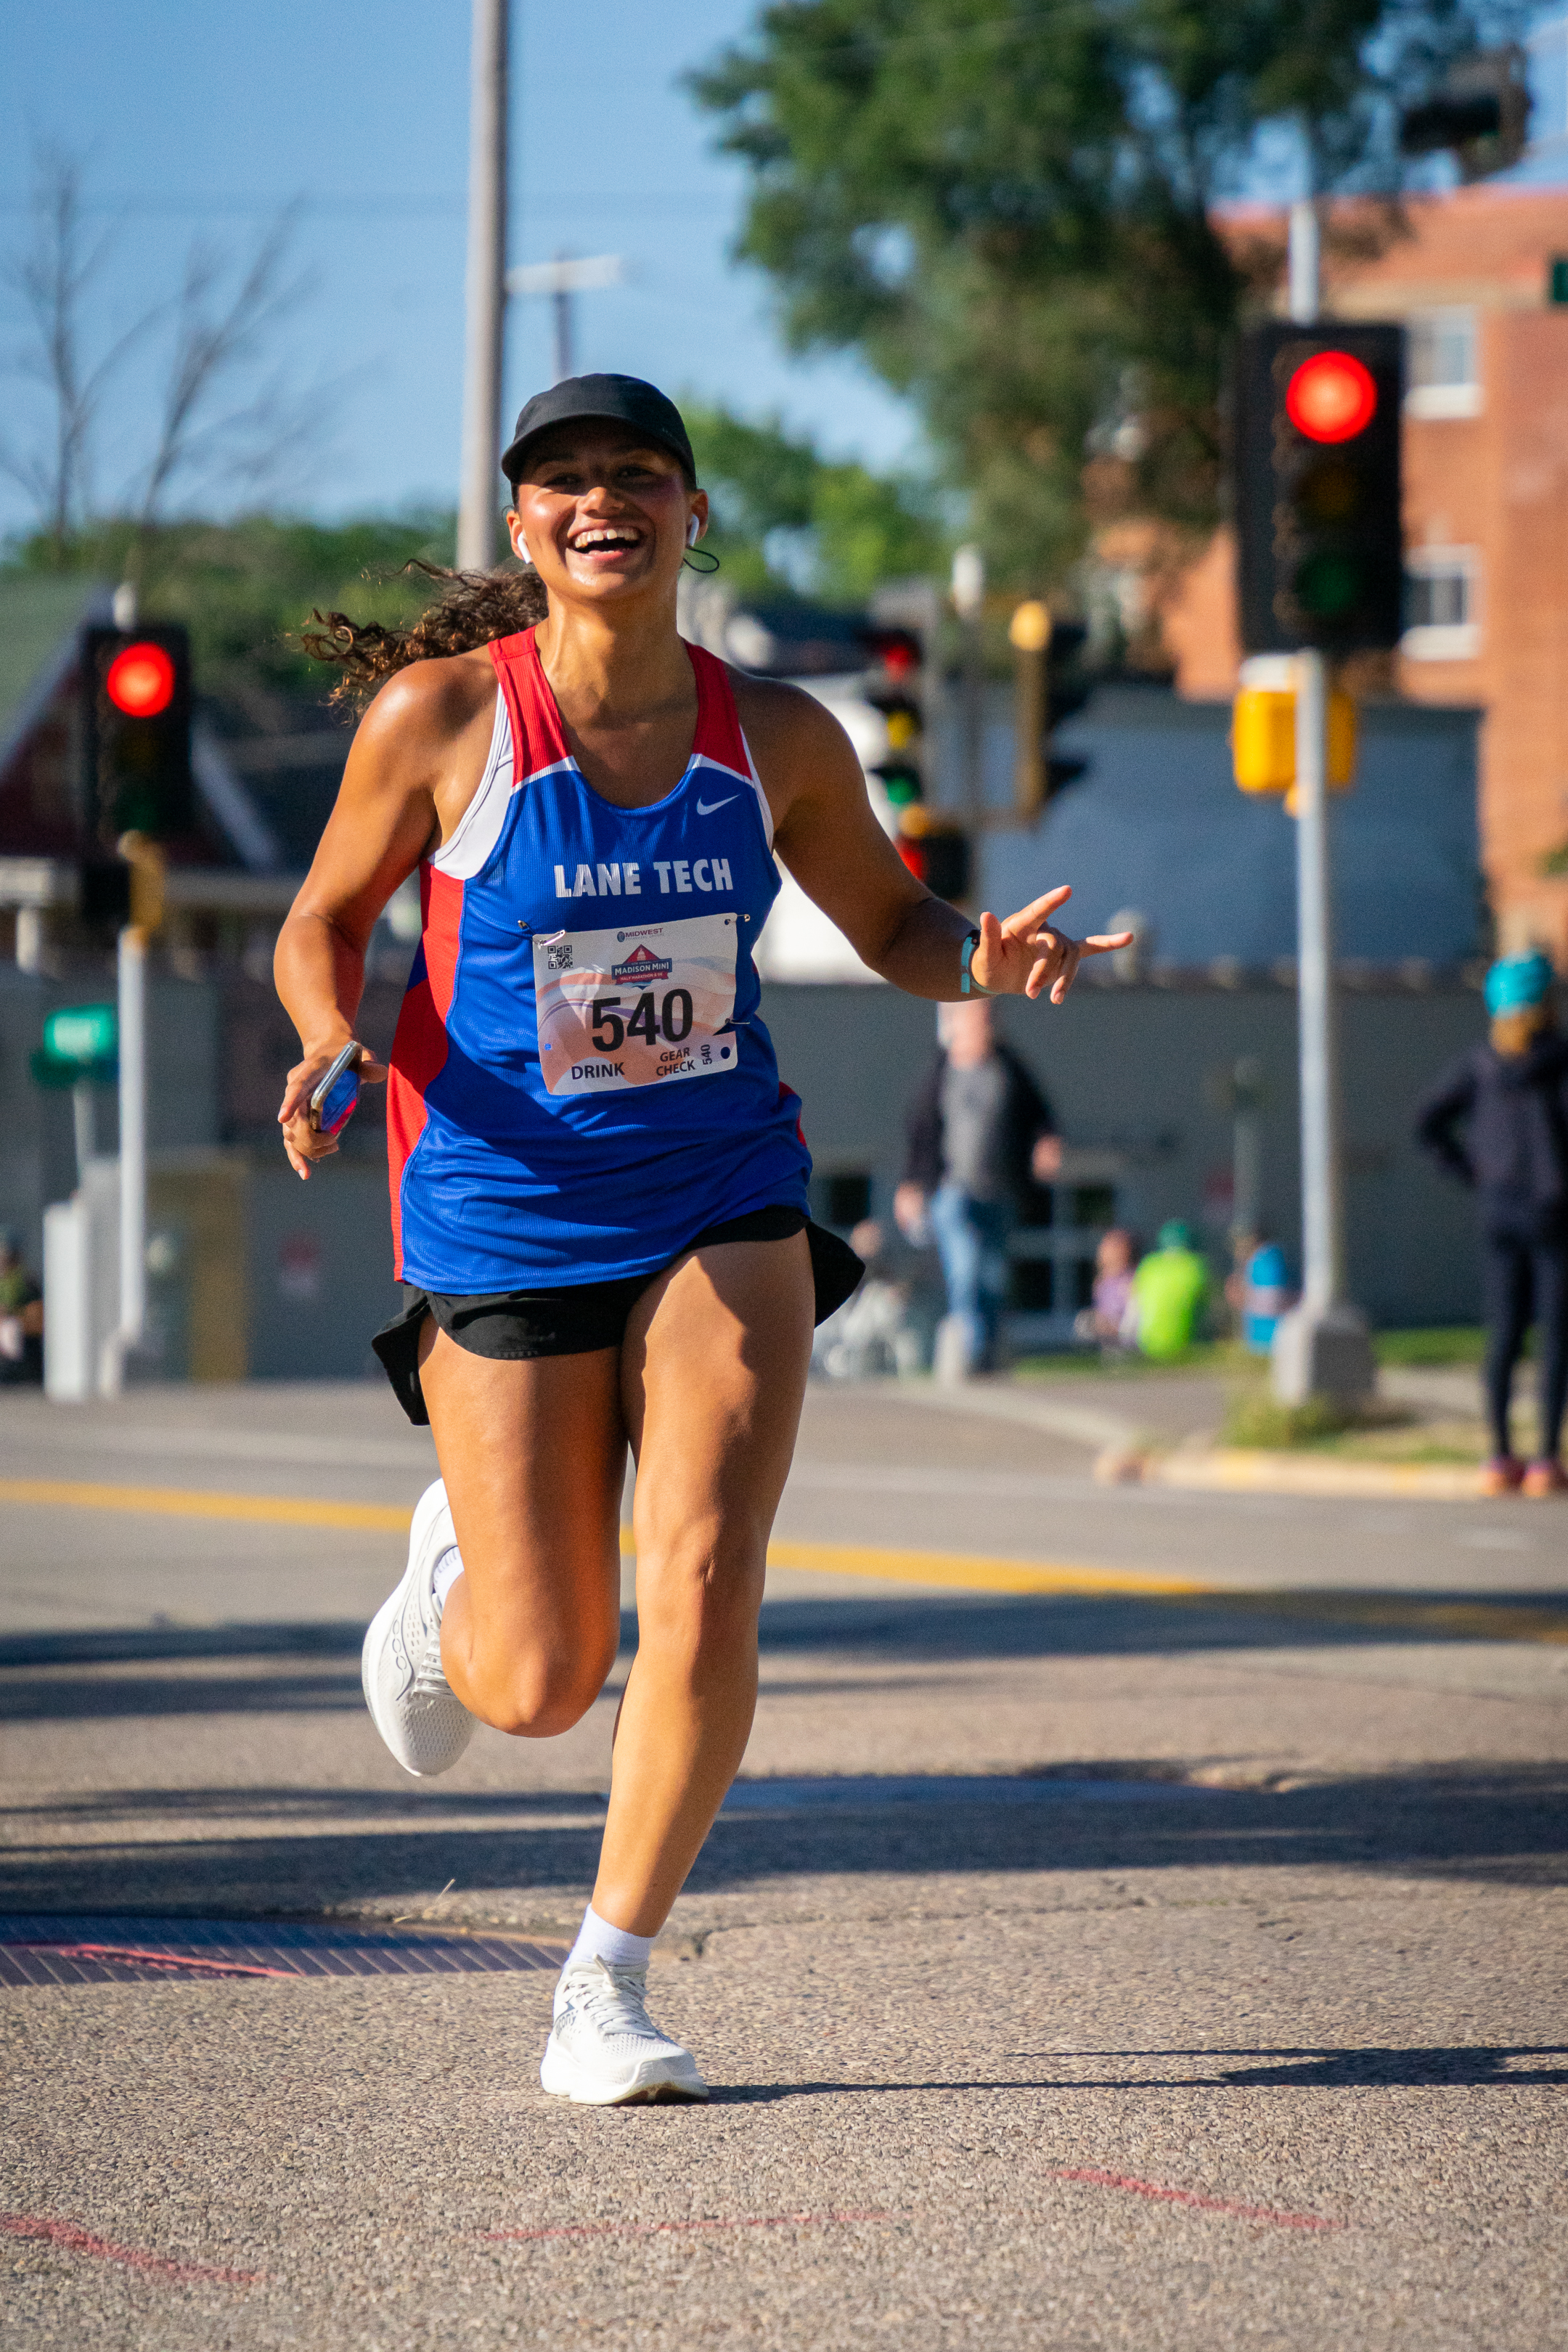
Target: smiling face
[602,515]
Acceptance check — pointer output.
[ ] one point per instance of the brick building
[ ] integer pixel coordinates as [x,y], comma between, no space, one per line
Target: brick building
[1481,282]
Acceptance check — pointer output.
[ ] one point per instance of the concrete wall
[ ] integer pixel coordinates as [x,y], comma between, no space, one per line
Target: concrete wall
[1127,1069]
[37,1158]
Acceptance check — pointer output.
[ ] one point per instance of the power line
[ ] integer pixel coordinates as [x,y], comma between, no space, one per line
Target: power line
[432,206]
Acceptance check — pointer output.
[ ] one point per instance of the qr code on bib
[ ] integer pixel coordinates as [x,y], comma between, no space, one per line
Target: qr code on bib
[559,959]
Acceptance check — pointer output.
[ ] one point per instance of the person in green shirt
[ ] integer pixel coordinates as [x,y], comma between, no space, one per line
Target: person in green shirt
[21,1318]
[1170,1292]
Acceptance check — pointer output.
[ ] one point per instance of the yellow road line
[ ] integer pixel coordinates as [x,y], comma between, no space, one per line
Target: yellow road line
[976,1574]
[951,1569]
[195,1503]
[1546,1621]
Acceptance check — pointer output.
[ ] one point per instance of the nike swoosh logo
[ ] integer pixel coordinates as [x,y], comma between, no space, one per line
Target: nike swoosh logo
[707,808]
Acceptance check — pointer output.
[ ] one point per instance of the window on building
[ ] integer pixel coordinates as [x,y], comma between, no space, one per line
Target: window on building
[1442,617]
[1445,373]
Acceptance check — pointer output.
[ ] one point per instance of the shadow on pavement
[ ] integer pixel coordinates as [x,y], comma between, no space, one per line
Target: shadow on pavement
[1483,2068]
[1503,1825]
[968,1629]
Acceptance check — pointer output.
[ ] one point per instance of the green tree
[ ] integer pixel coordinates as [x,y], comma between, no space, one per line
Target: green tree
[246,588]
[786,519]
[1009,213]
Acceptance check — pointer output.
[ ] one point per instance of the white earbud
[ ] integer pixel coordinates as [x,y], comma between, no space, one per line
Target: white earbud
[692,530]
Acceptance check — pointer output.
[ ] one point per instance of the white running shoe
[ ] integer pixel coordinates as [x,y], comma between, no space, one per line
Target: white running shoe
[410,1700]
[604,2050]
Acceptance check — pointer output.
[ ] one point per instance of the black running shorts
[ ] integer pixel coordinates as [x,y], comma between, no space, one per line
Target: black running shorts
[513,1326]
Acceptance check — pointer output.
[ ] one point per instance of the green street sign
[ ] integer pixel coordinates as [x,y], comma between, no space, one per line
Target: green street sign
[82,1042]
[82,1033]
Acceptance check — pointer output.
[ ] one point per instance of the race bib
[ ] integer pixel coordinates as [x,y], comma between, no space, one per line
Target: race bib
[637,1006]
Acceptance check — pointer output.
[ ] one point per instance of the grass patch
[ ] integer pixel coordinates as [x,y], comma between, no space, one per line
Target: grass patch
[1210,1356]
[1462,1344]
[1256,1419]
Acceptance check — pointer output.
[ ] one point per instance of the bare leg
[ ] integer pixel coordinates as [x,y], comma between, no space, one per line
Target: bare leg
[534,1456]
[712,1375]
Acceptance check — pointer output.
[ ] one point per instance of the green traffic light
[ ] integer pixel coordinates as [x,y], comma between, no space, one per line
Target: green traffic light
[1329,584]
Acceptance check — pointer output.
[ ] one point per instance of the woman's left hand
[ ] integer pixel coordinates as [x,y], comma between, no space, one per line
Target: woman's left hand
[1027,954]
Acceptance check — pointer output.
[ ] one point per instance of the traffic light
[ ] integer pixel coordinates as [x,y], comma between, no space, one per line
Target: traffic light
[1263,732]
[936,852]
[1480,113]
[1048,686]
[1319,546]
[895,684]
[136,731]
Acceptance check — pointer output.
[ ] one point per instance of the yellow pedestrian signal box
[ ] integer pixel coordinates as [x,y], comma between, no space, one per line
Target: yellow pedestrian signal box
[1263,740]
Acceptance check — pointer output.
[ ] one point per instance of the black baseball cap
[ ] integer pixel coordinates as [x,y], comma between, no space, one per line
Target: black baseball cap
[618,399]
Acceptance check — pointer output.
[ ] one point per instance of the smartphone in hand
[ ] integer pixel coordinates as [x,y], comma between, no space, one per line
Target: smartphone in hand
[336,1094]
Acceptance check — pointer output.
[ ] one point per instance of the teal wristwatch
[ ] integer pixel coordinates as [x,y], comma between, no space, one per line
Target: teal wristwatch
[967,983]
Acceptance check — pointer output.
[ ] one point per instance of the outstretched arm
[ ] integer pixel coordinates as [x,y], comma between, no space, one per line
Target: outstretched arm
[383,822]
[828,836]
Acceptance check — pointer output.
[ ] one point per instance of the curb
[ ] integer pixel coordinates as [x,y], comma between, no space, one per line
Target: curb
[1236,1470]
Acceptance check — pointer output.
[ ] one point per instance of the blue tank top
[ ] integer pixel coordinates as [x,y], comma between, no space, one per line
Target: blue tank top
[579,1081]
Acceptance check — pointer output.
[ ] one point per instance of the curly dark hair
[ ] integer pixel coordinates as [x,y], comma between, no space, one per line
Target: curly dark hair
[472,609]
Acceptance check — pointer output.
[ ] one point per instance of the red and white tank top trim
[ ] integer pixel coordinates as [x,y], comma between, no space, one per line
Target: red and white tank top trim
[720,746]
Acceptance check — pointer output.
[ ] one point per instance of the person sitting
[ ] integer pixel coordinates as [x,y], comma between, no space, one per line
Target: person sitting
[1511,1096]
[1170,1293]
[21,1319]
[1112,1318]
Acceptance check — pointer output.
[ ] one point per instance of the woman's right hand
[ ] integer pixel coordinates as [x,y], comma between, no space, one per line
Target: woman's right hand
[304,1142]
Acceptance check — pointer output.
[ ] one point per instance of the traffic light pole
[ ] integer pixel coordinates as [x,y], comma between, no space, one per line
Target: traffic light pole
[132,1009]
[1321,1347]
[486,291]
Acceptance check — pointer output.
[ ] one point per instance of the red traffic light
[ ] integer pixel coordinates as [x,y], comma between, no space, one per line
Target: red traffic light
[1330,397]
[140,680]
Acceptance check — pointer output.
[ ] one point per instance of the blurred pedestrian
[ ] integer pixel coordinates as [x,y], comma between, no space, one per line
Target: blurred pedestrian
[1170,1293]
[980,1133]
[21,1319]
[1510,1096]
[886,1326]
[1111,1319]
[1258,1290]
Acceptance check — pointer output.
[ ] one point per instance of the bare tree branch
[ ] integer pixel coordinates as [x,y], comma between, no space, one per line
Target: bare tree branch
[52,277]
[217,337]
[214,339]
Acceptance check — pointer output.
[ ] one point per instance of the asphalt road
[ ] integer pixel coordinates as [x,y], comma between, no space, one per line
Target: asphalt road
[1171,1955]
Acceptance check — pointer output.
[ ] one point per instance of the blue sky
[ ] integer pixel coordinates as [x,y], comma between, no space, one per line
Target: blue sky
[202,120]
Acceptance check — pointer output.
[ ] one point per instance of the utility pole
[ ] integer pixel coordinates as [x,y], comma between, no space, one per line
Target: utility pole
[486,295]
[560,279]
[132,1028]
[1321,1347]
[969,603]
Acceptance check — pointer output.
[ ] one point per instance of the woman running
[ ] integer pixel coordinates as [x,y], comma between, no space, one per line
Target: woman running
[598,1183]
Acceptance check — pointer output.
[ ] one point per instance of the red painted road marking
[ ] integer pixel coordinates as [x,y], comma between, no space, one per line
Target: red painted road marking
[81,2241]
[656,2228]
[127,1954]
[1193,2197]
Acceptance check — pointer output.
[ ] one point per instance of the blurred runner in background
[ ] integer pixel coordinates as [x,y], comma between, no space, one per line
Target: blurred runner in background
[1511,1096]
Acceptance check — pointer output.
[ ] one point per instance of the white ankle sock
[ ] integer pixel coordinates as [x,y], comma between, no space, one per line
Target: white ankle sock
[597,1940]
[448,1568]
